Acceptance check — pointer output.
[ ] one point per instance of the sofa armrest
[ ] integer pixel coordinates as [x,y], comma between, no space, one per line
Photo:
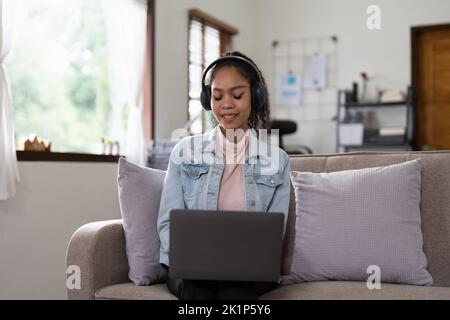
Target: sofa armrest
[98,249]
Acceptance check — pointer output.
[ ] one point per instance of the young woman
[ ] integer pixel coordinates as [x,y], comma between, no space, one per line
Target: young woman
[229,168]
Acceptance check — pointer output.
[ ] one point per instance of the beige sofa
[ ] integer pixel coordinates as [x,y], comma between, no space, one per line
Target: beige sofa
[98,248]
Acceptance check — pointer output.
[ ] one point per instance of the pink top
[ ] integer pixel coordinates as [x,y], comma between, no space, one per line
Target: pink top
[231,190]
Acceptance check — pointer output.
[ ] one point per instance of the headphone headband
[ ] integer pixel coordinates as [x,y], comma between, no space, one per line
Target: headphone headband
[231,58]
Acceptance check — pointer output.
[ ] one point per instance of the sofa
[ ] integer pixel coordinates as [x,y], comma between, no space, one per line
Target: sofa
[98,248]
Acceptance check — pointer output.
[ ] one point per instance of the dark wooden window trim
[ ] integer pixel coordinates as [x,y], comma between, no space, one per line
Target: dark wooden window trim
[65,157]
[149,76]
[212,21]
[415,77]
[148,110]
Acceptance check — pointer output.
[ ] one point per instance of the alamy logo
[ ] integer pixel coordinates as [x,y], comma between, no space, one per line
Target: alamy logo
[74,277]
[374,20]
[374,280]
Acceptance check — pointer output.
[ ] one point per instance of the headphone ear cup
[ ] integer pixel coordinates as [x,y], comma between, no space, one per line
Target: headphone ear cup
[258,96]
[205,98]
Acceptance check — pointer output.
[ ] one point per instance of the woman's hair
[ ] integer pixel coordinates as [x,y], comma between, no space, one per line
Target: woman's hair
[259,118]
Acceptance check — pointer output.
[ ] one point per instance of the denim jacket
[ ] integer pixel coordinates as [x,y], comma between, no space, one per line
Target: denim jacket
[194,172]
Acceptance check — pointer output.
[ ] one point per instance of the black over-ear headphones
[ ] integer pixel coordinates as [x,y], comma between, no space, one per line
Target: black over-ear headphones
[259,95]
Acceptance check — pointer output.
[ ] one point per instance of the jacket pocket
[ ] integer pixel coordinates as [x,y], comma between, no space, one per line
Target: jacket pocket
[193,179]
[194,171]
[266,186]
[273,180]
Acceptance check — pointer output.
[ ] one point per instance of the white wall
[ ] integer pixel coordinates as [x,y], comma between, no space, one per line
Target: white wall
[52,201]
[384,54]
[171,74]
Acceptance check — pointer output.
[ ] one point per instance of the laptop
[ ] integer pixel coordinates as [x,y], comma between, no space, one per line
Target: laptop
[225,245]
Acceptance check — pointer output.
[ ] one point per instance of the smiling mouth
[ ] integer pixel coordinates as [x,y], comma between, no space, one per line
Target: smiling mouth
[230,116]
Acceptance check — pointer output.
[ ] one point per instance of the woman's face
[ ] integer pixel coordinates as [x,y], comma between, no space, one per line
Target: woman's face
[231,99]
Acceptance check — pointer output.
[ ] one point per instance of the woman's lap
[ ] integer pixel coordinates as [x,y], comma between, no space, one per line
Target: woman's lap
[221,290]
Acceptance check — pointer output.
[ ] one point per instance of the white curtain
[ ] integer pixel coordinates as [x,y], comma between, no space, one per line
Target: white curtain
[9,173]
[127,35]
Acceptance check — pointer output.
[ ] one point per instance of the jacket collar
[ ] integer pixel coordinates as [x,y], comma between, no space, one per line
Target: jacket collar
[256,144]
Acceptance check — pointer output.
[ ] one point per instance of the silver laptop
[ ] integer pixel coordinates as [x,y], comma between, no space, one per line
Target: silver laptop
[225,245]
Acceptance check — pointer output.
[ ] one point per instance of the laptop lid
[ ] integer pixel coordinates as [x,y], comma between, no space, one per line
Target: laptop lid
[225,245]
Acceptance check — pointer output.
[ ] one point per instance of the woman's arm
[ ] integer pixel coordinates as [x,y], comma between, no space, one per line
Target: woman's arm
[171,198]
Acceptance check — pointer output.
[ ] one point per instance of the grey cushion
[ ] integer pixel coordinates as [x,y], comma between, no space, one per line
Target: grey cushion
[349,220]
[303,291]
[434,202]
[353,290]
[139,196]
[129,291]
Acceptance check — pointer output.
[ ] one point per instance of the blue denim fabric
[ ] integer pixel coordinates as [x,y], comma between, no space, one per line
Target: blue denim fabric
[195,170]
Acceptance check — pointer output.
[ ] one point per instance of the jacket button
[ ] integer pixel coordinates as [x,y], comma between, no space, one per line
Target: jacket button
[250,180]
[271,181]
[252,203]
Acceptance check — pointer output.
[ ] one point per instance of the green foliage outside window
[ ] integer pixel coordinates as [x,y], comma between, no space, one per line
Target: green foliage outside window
[58,74]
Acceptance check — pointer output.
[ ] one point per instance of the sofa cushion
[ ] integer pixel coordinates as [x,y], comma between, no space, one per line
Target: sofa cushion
[331,290]
[139,196]
[354,290]
[434,207]
[130,291]
[351,220]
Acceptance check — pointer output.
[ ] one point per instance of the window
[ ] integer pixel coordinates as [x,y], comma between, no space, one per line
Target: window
[60,79]
[208,40]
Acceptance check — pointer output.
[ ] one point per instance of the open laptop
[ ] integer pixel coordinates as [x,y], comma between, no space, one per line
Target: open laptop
[225,245]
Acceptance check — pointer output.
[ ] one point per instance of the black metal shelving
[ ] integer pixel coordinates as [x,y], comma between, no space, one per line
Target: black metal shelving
[405,144]
[374,104]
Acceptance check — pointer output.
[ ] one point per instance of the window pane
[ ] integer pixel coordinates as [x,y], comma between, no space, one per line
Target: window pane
[195,36]
[194,90]
[195,111]
[195,83]
[195,42]
[195,72]
[212,44]
[195,57]
[58,74]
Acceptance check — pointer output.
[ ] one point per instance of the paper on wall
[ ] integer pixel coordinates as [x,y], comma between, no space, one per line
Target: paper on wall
[314,73]
[288,90]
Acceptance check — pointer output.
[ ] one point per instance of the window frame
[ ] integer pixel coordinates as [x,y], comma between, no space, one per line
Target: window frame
[148,88]
[226,32]
[65,156]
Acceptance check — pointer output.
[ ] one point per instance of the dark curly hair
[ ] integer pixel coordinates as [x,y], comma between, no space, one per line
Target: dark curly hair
[259,119]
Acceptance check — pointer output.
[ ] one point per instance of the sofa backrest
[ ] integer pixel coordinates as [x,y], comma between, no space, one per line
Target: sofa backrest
[435,200]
